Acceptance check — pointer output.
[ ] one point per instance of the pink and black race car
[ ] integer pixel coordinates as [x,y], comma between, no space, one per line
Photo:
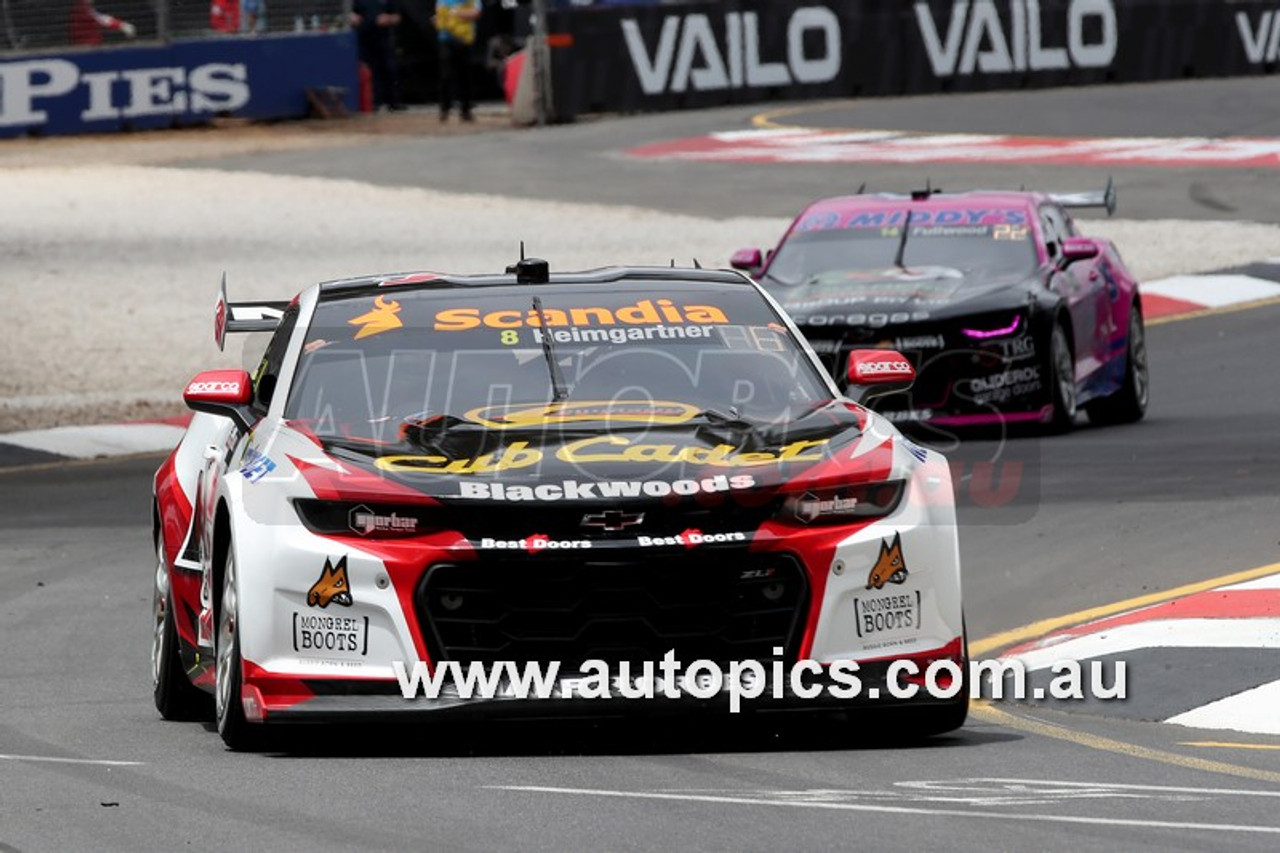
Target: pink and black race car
[538,469]
[1006,311]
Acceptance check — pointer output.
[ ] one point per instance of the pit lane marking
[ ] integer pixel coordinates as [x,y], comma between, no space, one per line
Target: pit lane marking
[53,759]
[890,809]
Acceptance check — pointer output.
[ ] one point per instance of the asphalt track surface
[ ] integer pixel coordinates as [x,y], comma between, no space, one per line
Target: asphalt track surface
[1109,514]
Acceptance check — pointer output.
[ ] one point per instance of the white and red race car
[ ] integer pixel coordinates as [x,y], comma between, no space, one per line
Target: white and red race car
[616,465]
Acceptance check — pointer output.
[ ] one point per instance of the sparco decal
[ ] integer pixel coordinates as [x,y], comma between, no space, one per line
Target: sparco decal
[215,87]
[975,39]
[688,56]
[575,490]
[1261,43]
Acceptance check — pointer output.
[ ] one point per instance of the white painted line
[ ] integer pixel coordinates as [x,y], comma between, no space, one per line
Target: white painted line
[1256,711]
[1124,786]
[1213,291]
[906,810]
[1264,582]
[52,759]
[86,442]
[1160,633]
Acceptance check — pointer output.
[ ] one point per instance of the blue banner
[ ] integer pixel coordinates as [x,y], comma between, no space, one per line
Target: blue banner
[183,83]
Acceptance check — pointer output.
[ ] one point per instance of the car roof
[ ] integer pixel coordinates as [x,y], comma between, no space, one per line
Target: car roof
[602,275]
[926,199]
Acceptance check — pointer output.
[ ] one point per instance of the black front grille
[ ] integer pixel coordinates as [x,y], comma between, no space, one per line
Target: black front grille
[718,605]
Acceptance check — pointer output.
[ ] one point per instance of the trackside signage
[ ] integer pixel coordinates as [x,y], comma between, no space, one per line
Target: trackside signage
[186,82]
[702,54]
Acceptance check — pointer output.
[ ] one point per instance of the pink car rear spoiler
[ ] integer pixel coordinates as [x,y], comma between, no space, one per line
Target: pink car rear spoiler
[1105,199]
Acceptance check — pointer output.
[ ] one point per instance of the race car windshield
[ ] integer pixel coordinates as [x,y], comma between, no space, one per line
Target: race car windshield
[647,353]
[997,249]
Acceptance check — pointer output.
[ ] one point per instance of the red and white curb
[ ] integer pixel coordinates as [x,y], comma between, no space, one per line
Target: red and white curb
[1184,294]
[813,145]
[1237,616]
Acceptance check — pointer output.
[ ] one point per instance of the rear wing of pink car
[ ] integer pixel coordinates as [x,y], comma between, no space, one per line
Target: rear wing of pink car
[1105,199]
[243,316]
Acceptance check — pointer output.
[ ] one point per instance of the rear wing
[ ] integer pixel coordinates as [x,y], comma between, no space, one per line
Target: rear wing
[243,316]
[1105,199]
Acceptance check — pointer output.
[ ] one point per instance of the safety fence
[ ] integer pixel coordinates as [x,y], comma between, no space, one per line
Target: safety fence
[706,54]
[40,25]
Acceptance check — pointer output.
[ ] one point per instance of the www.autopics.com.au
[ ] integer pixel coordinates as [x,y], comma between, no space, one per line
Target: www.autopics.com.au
[809,680]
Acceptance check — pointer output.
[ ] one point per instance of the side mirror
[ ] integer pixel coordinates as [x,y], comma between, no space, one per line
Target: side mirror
[747,260]
[877,372]
[222,392]
[1078,249]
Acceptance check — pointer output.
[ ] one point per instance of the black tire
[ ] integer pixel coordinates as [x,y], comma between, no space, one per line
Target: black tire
[1128,404]
[947,718]
[236,731]
[1062,380]
[176,697]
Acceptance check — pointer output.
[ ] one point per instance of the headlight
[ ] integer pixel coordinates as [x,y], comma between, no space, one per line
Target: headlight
[994,327]
[374,520]
[844,505]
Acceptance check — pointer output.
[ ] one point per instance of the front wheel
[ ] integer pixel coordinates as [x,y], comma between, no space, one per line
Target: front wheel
[176,697]
[236,731]
[1129,403]
[1062,381]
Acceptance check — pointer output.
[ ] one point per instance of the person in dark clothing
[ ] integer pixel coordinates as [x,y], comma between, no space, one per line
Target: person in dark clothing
[455,22]
[375,23]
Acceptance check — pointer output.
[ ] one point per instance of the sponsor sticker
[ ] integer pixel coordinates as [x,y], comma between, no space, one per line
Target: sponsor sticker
[602,448]
[382,318]
[535,544]
[576,490]
[890,566]
[644,312]
[256,465]
[691,539]
[332,587]
[887,614]
[329,634]
[365,521]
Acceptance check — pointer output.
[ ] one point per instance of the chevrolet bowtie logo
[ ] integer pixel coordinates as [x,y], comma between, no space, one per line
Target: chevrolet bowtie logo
[612,519]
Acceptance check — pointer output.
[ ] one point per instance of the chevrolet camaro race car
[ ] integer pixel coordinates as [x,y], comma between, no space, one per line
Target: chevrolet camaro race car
[542,469]
[1007,313]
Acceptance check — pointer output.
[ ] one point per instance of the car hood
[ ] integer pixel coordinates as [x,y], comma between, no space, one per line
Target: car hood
[922,293]
[468,464]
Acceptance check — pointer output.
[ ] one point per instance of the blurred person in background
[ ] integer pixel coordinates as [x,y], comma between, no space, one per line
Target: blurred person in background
[455,22]
[224,16]
[253,16]
[375,23]
[87,24]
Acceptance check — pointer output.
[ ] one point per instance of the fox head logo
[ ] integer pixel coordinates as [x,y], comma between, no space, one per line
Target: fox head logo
[381,319]
[890,566]
[332,586]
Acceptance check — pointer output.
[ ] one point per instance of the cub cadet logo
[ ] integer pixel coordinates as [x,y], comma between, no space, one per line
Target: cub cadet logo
[977,41]
[890,566]
[213,388]
[594,449]
[1263,43]
[875,368]
[215,87]
[642,313]
[381,319]
[687,55]
[331,587]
